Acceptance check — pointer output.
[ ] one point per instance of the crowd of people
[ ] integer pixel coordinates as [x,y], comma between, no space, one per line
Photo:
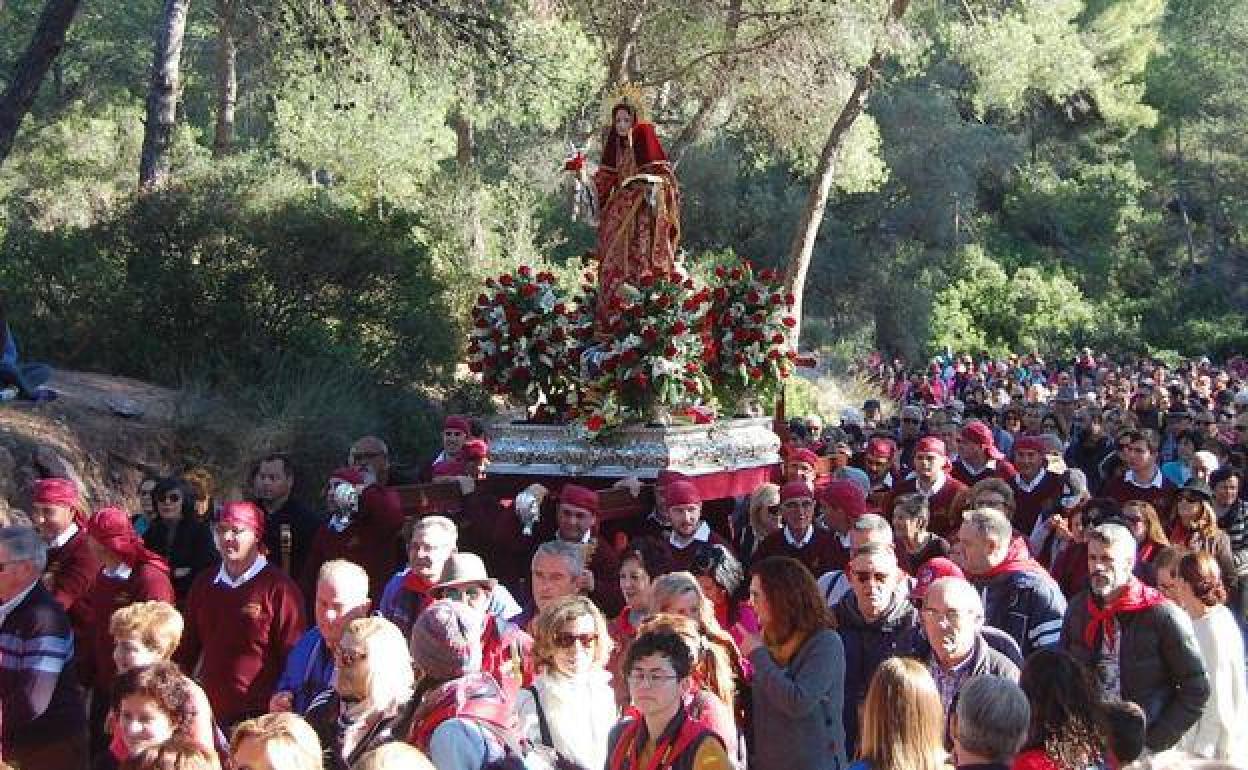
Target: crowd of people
[1031,566]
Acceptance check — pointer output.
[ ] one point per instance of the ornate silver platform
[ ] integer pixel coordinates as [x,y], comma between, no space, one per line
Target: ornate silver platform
[694,450]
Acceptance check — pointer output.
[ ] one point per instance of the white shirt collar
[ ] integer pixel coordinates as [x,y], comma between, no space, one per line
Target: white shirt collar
[122,571]
[64,537]
[1155,482]
[1030,486]
[257,565]
[11,604]
[810,534]
[885,483]
[935,489]
[700,535]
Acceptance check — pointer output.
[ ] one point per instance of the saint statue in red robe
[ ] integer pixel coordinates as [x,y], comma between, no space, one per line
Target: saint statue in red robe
[638,203]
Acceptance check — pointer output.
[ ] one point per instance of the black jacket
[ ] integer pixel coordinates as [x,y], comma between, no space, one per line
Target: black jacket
[1160,667]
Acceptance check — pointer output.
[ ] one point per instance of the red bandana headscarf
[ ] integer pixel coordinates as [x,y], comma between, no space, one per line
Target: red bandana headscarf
[62,492]
[111,528]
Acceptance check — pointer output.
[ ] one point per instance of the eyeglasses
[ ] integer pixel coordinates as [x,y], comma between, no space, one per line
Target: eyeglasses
[564,641]
[952,617]
[356,457]
[170,498]
[649,678]
[464,594]
[1205,422]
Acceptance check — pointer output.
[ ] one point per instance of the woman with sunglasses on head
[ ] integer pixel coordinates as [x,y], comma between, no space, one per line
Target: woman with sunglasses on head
[178,535]
[1150,536]
[763,518]
[570,707]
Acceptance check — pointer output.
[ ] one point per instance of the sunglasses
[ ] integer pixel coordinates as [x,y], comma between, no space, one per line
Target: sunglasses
[565,641]
[171,498]
[1191,499]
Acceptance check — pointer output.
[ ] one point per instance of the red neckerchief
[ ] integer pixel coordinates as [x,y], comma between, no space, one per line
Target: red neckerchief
[416,584]
[1146,552]
[476,696]
[671,745]
[1137,596]
[1017,559]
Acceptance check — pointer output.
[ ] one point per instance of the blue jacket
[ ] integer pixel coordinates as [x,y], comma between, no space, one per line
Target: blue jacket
[1026,605]
[8,356]
[309,670]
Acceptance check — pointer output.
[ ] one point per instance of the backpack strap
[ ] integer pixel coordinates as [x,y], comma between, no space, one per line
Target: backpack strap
[542,725]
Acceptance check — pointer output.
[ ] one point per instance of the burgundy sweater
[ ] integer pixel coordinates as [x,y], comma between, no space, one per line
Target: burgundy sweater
[147,582]
[1028,506]
[240,637]
[69,576]
[821,554]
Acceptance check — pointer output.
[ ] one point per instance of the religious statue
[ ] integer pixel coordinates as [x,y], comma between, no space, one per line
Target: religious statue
[636,198]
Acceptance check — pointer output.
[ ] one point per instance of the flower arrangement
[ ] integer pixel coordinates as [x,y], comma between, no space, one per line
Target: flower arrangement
[751,352]
[526,341]
[654,360]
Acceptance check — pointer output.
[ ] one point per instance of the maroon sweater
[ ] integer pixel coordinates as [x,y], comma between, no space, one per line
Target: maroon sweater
[943,521]
[1161,498]
[1001,469]
[1043,500]
[70,573]
[821,554]
[372,540]
[682,558]
[243,636]
[149,581]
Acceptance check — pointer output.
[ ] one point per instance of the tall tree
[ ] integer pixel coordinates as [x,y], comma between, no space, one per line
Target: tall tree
[45,44]
[162,96]
[803,244]
[227,77]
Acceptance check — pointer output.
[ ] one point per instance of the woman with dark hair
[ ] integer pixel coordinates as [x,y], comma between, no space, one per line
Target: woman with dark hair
[722,577]
[641,562]
[150,705]
[178,536]
[799,671]
[1068,722]
[1196,528]
[1199,590]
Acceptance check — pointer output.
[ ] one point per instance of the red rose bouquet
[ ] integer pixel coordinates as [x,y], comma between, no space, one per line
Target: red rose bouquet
[751,319]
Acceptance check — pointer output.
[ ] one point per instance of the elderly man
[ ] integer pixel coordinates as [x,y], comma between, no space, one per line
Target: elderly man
[1140,646]
[953,616]
[866,530]
[689,531]
[363,527]
[932,480]
[819,550]
[44,717]
[408,592]
[58,514]
[289,525]
[505,647]
[341,596]
[978,456]
[876,621]
[242,620]
[1020,597]
[990,723]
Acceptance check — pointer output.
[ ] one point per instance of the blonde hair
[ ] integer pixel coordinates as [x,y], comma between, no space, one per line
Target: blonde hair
[345,574]
[158,625]
[386,644]
[902,719]
[289,742]
[394,756]
[763,498]
[550,621]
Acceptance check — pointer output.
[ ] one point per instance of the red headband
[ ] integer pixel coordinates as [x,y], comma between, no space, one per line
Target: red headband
[580,497]
[243,514]
[681,493]
[1031,444]
[796,490]
[931,444]
[846,496]
[457,422]
[981,435]
[111,528]
[803,456]
[57,492]
[881,447]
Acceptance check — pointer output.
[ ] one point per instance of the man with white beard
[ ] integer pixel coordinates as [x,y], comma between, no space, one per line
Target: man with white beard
[1140,647]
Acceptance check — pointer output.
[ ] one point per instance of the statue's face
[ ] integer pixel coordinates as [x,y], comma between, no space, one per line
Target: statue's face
[623,121]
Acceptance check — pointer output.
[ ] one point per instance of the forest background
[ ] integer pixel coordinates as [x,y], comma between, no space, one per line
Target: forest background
[296,201]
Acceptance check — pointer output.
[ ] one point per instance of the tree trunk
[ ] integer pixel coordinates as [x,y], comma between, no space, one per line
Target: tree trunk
[701,120]
[803,244]
[465,160]
[625,44]
[227,79]
[162,96]
[45,44]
